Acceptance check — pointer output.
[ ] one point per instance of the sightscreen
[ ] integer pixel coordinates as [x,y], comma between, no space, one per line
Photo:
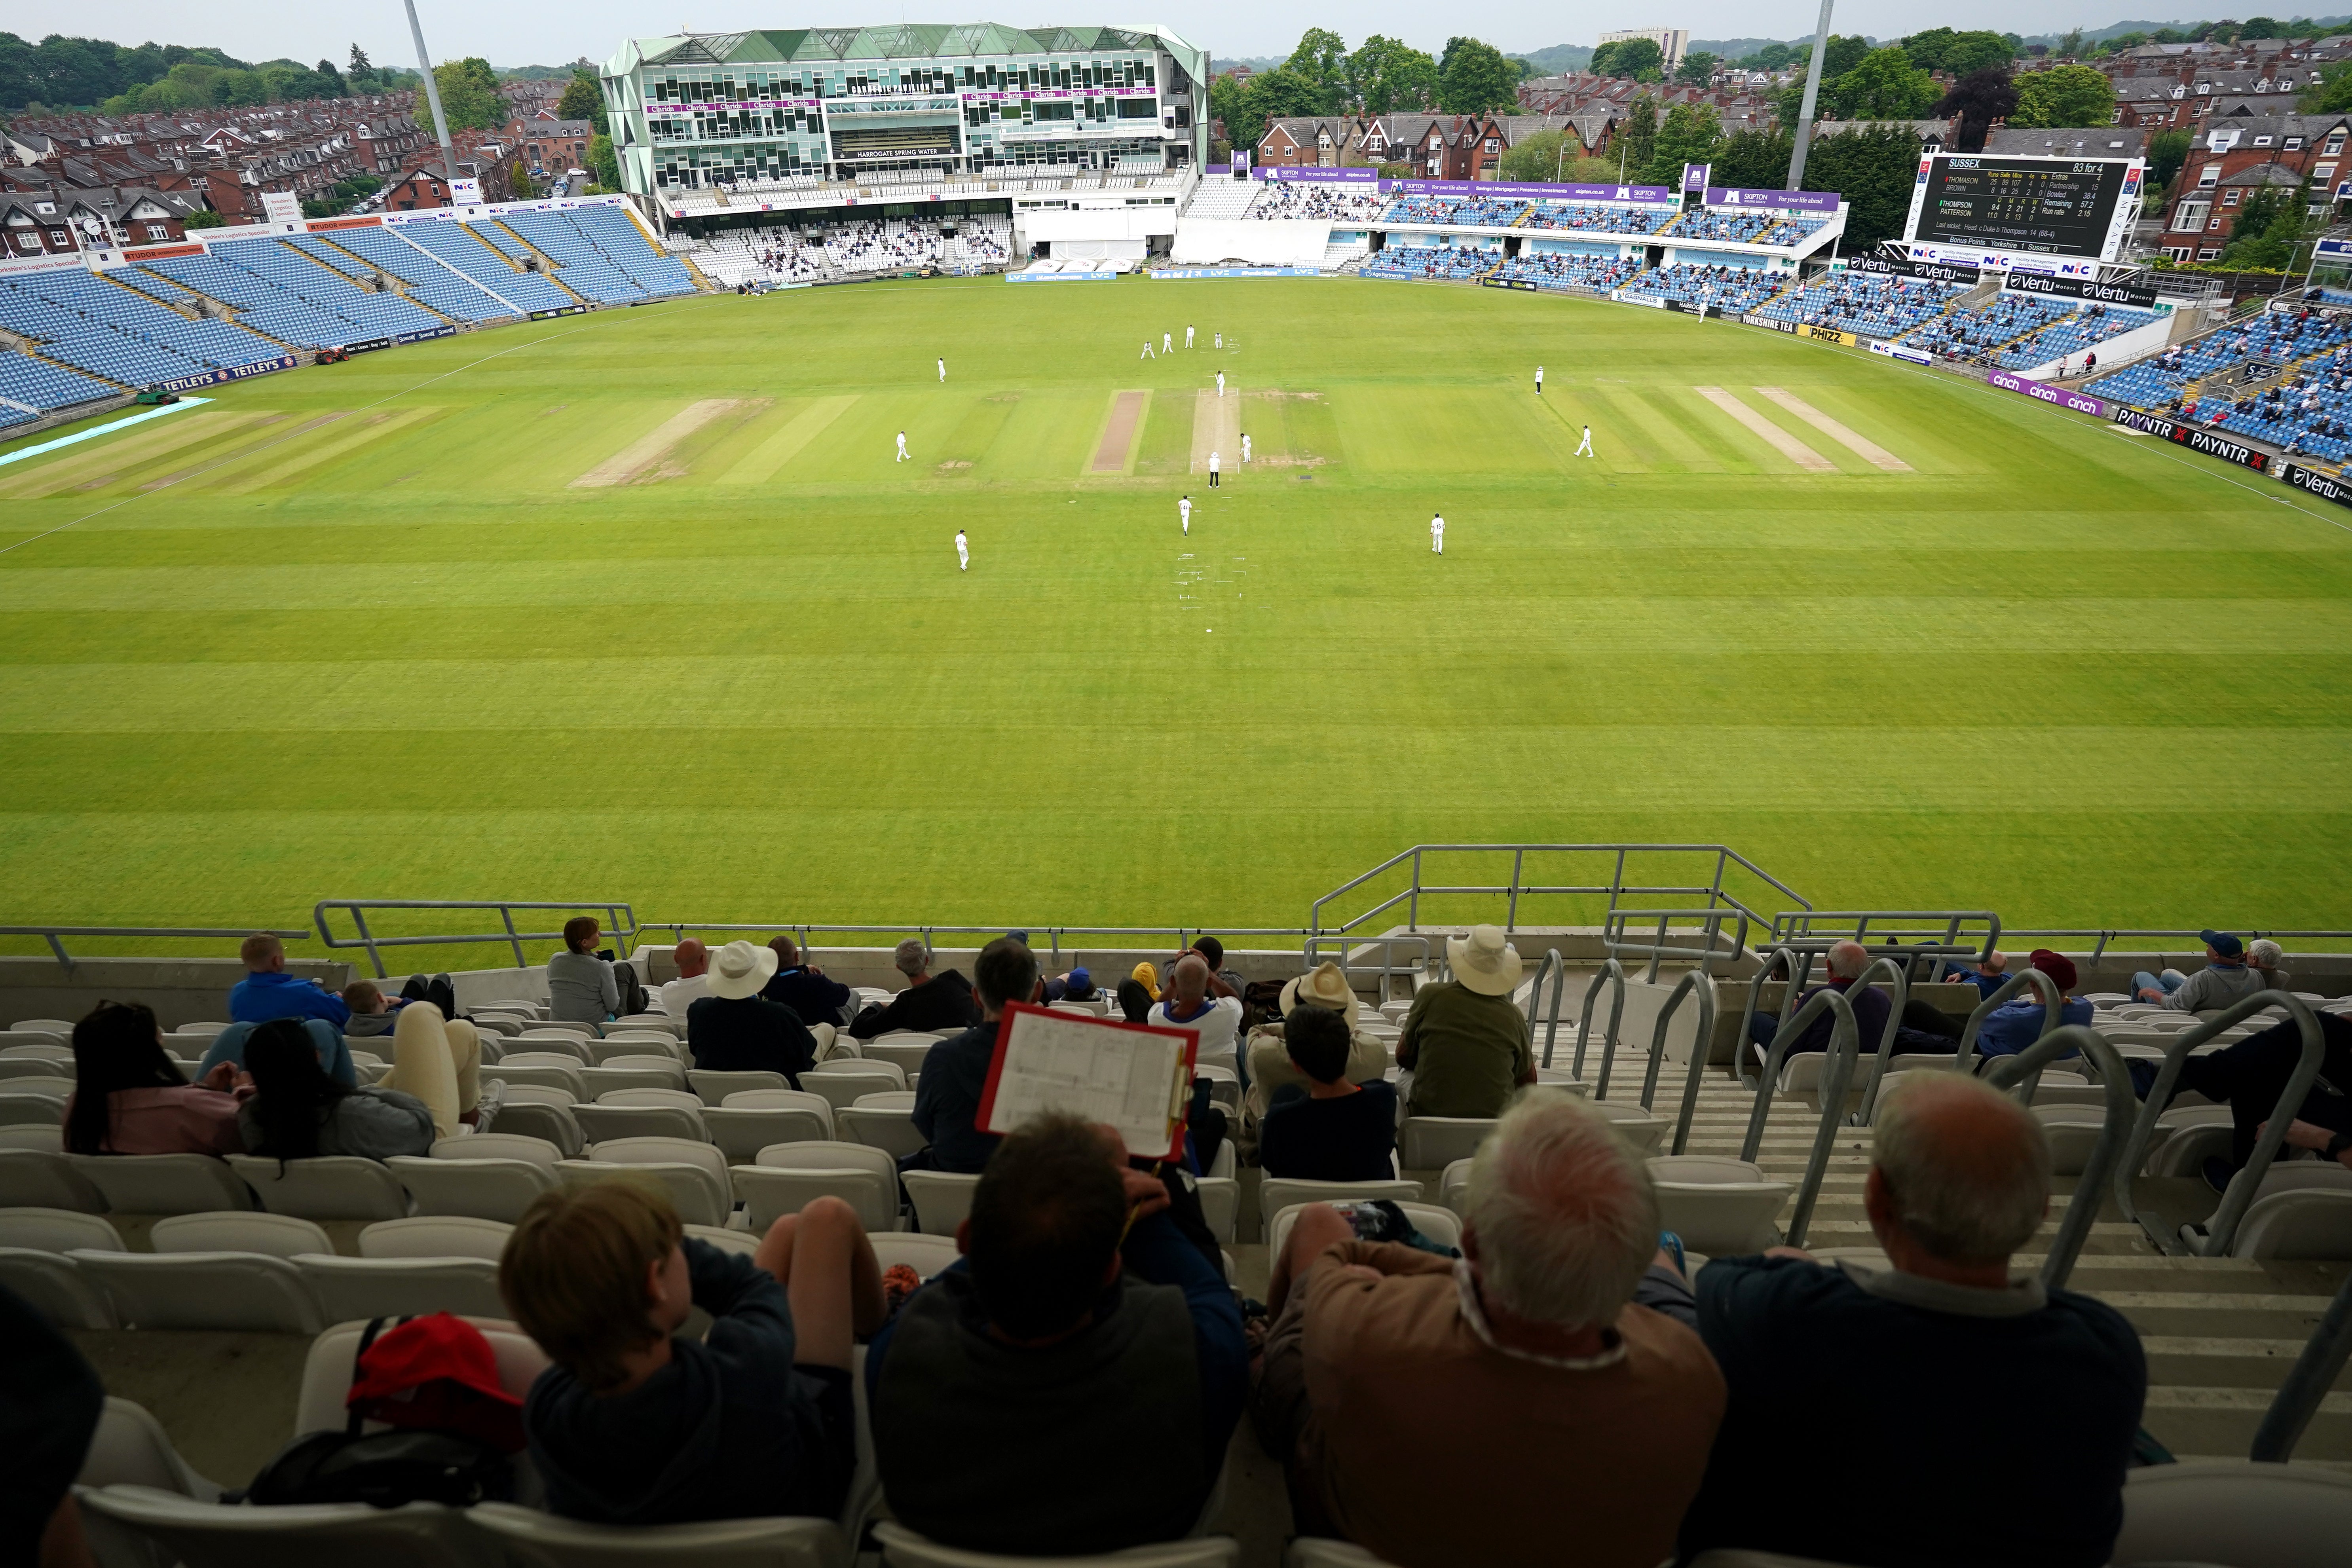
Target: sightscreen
[2055,206]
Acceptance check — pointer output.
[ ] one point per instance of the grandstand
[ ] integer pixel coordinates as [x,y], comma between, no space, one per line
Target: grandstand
[1601,216]
[2019,331]
[1729,286]
[1429,263]
[1868,304]
[1595,271]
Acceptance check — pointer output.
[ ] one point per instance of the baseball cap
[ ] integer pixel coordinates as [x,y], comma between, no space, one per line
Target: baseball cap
[2223,943]
[438,1372]
[1080,978]
[2057,966]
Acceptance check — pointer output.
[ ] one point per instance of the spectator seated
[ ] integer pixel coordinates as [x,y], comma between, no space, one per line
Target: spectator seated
[1429,263]
[1466,212]
[1868,304]
[1735,291]
[1607,217]
[1708,222]
[1565,269]
[1315,199]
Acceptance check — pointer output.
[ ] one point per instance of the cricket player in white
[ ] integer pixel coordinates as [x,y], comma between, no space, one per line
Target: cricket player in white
[1538,381]
[1437,534]
[902,457]
[1221,340]
[1245,447]
[964,554]
[1146,352]
[1184,511]
[1220,383]
[943,370]
[1188,336]
[1168,342]
[1212,470]
[1584,448]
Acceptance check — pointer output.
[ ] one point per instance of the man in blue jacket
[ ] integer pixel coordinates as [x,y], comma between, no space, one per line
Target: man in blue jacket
[2019,1022]
[268,992]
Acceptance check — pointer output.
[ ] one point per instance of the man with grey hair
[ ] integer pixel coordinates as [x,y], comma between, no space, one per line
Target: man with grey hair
[1846,961]
[1942,1358]
[1558,1345]
[928,1004]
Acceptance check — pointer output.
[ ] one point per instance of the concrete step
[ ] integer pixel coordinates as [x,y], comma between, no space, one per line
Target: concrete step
[2223,1420]
[2222,1314]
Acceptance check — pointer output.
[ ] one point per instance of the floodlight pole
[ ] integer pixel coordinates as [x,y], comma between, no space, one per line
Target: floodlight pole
[441,121]
[1812,96]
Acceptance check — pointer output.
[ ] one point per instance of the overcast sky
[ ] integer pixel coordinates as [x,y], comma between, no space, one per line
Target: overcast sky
[531,35]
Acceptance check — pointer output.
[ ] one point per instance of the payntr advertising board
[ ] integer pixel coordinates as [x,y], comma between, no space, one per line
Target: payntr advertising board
[2049,215]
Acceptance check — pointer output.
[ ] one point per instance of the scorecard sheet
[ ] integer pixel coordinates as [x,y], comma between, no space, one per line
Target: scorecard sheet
[1131,1077]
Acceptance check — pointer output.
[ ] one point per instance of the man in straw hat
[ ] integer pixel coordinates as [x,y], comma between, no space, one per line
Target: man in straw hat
[1270,1066]
[1465,1043]
[736,1030]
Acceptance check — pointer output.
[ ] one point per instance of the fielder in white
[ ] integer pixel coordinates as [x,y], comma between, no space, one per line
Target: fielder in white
[1538,381]
[963,552]
[1168,342]
[1184,511]
[1220,383]
[902,457]
[943,370]
[1188,336]
[1212,470]
[1146,352]
[1437,534]
[1584,448]
[1221,340]
[1244,446]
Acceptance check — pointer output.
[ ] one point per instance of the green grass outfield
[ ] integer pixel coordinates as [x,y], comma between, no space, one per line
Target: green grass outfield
[356,630]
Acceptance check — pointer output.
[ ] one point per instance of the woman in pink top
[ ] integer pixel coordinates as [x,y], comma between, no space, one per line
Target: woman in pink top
[130,1098]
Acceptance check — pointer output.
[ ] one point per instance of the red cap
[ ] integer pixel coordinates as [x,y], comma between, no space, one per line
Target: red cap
[438,1372]
[2057,966]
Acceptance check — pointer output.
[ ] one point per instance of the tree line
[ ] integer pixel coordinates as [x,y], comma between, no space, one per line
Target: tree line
[1379,76]
[62,73]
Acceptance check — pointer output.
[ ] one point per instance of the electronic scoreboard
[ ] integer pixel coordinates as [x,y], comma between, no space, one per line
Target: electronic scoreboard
[1970,207]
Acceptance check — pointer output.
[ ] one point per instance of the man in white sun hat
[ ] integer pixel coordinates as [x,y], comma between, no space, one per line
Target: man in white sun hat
[1467,1047]
[736,1030]
[1270,1066]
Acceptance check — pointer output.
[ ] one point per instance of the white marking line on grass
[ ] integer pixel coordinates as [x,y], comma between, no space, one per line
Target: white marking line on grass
[97,430]
[387,397]
[1854,441]
[1771,435]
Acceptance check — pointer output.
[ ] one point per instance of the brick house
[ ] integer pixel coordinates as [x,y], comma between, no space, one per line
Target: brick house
[2236,155]
[549,145]
[36,225]
[1315,142]
[416,190]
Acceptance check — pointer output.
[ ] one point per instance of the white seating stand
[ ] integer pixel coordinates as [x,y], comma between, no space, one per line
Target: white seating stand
[888,1128]
[1718,1205]
[2246,1515]
[162,1183]
[785,1176]
[1276,1193]
[751,1120]
[943,1199]
[486,1175]
[245,1292]
[925,1255]
[1433,1142]
[1443,1226]
[902,1548]
[271,1234]
[530,1539]
[202,1534]
[696,1174]
[326,1186]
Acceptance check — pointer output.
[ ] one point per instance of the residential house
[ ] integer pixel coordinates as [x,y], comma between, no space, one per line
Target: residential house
[2219,173]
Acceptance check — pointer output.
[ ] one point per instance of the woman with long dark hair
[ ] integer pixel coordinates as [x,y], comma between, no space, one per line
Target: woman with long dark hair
[298,1112]
[130,1098]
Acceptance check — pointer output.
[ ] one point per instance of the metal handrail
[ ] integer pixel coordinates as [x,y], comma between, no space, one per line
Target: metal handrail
[1617,925]
[2314,1374]
[1694,982]
[2222,1227]
[802,931]
[1799,964]
[1836,1073]
[620,922]
[2053,1003]
[2114,1132]
[1613,973]
[2196,941]
[53,933]
[1390,968]
[1557,967]
[1726,858]
[1800,929]
[1899,975]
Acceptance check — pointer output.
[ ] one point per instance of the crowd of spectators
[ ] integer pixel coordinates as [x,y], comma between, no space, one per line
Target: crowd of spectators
[1430,263]
[1734,290]
[1869,304]
[1560,269]
[1467,211]
[1317,200]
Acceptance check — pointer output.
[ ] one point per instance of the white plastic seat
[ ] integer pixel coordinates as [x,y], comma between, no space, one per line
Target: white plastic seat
[713,1088]
[2298,1223]
[57,1086]
[602,1124]
[528,1537]
[130,1448]
[696,1174]
[1319,1551]
[540,1094]
[1560,1077]
[1224,1083]
[925,1254]
[43,1178]
[1276,1193]
[271,1234]
[245,1292]
[1718,1205]
[14,1071]
[1635,1125]
[1220,1205]
[199,1534]
[782,1179]
[1454,1184]
[1442,1225]
[325,1186]
[888,1099]
[684,1099]
[842,1086]
[537,1048]
[326,1370]
[57,1230]
[547,1075]
[902,1548]
[436,1236]
[904,1052]
[726,1240]
[2246,1515]
[620,1050]
[891,1130]
[550,1124]
[942,1199]
[660,1021]
[61,1029]
[19,1106]
[54,1285]
[498,1189]
[740,1132]
[360,1287]
[163,1183]
[22,1041]
[1433,1142]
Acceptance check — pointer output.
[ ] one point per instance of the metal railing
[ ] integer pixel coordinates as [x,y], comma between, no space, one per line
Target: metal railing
[2196,939]
[2054,1002]
[1389,969]
[1919,933]
[1556,969]
[1898,976]
[619,922]
[54,935]
[2106,1154]
[1612,974]
[1837,1072]
[1054,936]
[1694,982]
[1704,927]
[2314,1374]
[2222,1227]
[1725,863]
[1799,966]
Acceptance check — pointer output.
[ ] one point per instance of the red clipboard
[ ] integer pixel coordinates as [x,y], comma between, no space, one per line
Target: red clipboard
[1180,1086]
